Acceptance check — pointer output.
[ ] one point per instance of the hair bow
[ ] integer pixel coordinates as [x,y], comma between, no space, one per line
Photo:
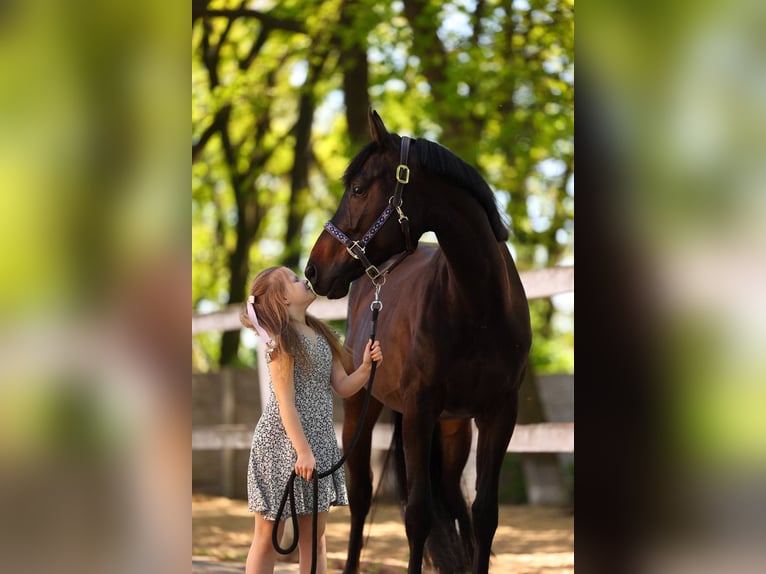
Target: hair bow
[254,320]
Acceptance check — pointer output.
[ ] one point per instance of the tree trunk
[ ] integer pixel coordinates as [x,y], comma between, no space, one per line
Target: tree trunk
[239,268]
[299,185]
[356,78]
[299,175]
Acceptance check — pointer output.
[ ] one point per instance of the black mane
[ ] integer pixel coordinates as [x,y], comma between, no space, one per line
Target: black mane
[438,160]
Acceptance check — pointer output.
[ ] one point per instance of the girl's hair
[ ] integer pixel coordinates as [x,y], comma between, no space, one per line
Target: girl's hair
[268,290]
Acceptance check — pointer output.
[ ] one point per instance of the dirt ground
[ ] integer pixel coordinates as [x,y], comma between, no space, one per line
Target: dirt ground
[529,539]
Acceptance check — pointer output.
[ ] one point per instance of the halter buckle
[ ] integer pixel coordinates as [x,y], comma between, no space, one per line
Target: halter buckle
[402,173]
[372,272]
[354,245]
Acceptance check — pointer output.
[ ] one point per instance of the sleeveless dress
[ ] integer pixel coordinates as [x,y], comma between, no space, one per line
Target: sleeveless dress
[272,456]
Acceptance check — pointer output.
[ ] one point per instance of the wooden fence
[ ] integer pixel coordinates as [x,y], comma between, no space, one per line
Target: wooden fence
[541,437]
[531,438]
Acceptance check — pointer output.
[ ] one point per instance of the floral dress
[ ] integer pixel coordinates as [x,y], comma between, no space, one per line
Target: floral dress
[272,456]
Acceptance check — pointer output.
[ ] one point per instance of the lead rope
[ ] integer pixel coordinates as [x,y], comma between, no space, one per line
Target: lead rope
[376,306]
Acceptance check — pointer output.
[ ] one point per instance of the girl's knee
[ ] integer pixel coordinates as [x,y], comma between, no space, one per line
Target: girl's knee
[320,530]
[262,546]
[306,524]
[262,534]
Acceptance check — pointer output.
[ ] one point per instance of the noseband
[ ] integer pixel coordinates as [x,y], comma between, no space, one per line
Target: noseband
[357,248]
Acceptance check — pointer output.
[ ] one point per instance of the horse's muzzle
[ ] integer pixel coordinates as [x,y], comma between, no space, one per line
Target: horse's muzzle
[330,284]
[311,274]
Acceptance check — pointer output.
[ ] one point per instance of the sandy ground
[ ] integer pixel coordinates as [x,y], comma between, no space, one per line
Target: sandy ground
[529,539]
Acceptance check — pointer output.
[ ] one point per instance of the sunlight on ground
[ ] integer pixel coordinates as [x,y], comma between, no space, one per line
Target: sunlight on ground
[529,539]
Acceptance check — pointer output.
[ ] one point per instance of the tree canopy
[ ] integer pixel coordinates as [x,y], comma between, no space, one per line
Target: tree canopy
[280,92]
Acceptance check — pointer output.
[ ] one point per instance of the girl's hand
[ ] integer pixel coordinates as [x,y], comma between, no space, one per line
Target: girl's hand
[305,465]
[372,352]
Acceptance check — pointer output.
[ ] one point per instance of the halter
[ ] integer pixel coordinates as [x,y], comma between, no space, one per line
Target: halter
[357,248]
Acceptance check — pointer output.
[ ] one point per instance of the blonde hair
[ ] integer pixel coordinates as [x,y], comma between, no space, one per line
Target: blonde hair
[268,291]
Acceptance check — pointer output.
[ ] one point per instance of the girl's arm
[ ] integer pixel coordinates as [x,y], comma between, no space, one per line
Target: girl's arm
[346,385]
[281,369]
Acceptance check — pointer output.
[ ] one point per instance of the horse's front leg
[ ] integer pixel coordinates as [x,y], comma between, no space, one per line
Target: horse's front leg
[418,423]
[495,430]
[359,472]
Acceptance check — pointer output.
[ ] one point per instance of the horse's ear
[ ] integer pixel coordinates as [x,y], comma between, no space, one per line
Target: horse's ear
[378,131]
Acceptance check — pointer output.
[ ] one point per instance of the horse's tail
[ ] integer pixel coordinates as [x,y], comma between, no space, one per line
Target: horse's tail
[448,549]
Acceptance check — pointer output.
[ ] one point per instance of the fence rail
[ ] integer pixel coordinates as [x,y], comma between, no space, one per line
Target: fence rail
[546,437]
[542,437]
[538,283]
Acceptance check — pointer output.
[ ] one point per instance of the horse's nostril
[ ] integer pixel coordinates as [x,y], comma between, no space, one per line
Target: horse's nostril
[310,272]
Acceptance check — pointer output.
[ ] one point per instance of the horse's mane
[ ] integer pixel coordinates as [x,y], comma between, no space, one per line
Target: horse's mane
[438,160]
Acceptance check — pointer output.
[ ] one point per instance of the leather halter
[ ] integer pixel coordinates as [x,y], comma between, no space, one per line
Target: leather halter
[357,248]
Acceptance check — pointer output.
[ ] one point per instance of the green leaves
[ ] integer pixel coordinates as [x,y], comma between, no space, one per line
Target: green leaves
[495,87]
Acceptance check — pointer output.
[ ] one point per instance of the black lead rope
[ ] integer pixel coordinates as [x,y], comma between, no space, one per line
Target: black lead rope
[375,306]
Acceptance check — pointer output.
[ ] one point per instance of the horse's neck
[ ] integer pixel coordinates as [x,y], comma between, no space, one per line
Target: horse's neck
[473,255]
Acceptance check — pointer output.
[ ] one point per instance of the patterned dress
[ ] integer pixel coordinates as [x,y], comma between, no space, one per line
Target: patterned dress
[272,456]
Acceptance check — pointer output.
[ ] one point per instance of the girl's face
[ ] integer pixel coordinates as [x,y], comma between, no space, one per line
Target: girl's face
[297,292]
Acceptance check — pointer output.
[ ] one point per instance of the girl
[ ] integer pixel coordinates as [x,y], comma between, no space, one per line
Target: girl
[295,430]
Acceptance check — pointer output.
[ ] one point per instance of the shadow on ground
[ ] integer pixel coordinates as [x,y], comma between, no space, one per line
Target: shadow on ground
[529,539]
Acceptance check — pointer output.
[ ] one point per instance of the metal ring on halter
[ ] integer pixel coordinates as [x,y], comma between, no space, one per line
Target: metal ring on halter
[377,295]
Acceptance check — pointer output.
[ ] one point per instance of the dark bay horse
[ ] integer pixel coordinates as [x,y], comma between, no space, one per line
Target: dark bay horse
[454,328]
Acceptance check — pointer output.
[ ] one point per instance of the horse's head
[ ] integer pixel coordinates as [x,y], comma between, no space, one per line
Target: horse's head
[360,236]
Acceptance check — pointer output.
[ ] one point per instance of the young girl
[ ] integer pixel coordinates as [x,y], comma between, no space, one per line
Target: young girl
[295,430]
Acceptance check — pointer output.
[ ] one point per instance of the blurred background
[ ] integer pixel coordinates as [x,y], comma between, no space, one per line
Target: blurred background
[672,119]
[94,300]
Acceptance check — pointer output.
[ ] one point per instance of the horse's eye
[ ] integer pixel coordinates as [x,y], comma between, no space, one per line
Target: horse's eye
[356,190]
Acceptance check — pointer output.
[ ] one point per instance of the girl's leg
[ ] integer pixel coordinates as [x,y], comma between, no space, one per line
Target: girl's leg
[262,556]
[306,540]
